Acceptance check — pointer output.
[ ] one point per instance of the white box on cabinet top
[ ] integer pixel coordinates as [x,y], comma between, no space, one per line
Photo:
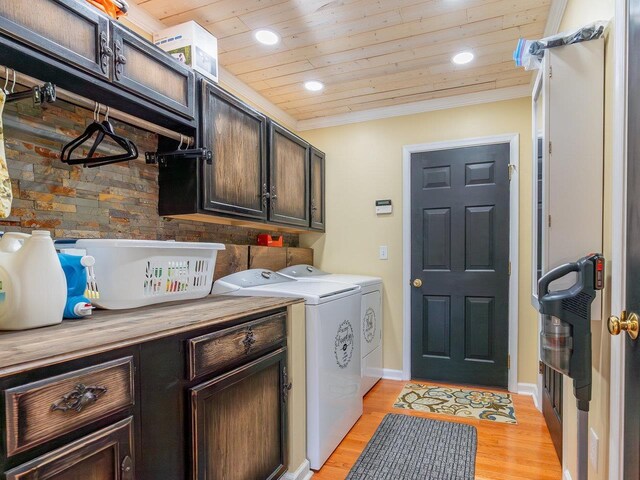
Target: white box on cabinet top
[192,45]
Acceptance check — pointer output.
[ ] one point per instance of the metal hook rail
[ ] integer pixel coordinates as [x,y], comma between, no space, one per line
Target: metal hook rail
[61,94]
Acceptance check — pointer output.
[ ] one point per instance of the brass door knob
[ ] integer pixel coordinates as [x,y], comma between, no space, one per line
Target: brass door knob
[417,283]
[627,322]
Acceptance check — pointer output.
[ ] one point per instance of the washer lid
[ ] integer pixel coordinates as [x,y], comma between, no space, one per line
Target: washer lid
[302,271]
[309,272]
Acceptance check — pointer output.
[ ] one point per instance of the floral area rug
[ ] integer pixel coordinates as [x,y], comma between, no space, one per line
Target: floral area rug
[460,402]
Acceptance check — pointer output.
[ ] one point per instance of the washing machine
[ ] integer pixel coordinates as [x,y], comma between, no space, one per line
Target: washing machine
[370,315]
[334,401]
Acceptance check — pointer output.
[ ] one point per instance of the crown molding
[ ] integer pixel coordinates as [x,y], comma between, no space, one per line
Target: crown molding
[232,82]
[143,19]
[489,96]
[556,13]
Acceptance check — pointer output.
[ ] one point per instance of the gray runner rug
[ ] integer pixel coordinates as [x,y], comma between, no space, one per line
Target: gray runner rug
[414,448]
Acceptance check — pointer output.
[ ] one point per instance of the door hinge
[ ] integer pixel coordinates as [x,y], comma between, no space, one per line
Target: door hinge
[550,71]
[509,267]
[540,367]
[512,168]
[549,221]
[550,147]
[508,362]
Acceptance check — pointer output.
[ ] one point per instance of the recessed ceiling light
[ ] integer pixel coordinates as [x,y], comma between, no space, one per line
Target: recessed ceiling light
[313,86]
[266,37]
[462,58]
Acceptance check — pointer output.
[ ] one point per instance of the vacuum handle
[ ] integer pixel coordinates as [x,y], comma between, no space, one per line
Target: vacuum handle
[555,274]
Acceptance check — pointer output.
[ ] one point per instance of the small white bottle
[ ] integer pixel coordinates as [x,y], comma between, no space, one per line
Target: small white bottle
[33,287]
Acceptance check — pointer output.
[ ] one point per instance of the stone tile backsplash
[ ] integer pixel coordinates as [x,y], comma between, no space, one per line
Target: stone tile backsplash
[112,201]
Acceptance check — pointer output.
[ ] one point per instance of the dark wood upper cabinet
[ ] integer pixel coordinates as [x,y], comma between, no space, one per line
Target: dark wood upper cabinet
[236,180]
[239,422]
[289,177]
[104,455]
[71,31]
[145,69]
[317,189]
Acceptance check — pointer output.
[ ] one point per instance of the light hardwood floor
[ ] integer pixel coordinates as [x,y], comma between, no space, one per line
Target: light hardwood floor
[505,452]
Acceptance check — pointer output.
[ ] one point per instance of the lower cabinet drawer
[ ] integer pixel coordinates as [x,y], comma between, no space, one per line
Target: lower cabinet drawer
[41,411]
[106,455]
[215,351]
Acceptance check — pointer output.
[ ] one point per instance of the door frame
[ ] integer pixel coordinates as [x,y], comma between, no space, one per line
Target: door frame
[513,139]
[618,235]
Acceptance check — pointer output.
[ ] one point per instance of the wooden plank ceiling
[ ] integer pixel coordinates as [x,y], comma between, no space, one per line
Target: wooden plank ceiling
[368,53]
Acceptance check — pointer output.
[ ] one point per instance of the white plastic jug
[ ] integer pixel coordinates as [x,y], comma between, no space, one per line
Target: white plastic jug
[33,288]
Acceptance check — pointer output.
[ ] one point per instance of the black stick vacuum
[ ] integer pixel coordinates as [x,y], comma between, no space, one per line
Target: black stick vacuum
[565,340]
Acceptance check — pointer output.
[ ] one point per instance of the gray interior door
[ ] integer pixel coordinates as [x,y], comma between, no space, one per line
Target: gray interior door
[460,265]
[551,380]
[632,348]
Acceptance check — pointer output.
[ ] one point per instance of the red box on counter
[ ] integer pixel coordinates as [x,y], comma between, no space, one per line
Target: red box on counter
[267,240]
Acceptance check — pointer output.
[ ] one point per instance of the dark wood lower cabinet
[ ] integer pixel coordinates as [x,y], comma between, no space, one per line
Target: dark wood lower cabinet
[239,422]
[104,455]
[205,403]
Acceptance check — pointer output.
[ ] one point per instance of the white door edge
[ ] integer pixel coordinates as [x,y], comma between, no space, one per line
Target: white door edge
[618,241]
[513,139]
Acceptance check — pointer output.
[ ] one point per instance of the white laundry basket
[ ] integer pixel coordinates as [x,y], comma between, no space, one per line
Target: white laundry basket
[134,273]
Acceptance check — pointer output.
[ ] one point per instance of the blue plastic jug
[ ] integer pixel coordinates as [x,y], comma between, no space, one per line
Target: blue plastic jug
[77,305]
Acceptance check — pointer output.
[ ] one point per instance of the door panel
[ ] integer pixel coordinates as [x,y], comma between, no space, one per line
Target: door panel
[72,31]
[146,70]
[289,170]
[317,189]
[632,348]
[238,422]
[460,209]
[551,380]
[104,455]
[236,181]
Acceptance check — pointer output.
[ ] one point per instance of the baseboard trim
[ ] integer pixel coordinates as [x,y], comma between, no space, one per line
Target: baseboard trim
[389,374]
[529,389]
[303,472]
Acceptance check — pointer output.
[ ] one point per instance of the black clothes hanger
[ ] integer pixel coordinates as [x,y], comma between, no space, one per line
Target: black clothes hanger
[103,129]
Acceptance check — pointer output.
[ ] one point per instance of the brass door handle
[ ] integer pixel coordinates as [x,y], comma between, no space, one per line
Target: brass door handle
[627,322]
[417,283]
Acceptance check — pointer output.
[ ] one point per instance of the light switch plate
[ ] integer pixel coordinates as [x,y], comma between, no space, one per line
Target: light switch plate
[384,254]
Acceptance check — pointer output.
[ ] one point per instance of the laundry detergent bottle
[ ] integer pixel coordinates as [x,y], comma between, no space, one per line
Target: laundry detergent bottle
[33,288]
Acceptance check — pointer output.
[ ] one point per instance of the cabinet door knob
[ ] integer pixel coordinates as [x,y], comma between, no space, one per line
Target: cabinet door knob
[127,468]
[286,385]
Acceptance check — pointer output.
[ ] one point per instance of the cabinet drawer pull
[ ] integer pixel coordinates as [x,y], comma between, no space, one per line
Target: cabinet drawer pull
[105,52]
[79,397]
[249,340]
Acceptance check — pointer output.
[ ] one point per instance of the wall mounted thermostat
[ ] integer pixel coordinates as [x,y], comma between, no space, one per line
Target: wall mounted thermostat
[383,207]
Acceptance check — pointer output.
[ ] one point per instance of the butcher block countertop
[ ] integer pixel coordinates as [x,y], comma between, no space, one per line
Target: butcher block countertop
[110,329]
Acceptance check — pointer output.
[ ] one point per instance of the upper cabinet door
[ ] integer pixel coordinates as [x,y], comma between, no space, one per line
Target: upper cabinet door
[236,181]
[289,170]
[148,71]
[72,31]
[317,190]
